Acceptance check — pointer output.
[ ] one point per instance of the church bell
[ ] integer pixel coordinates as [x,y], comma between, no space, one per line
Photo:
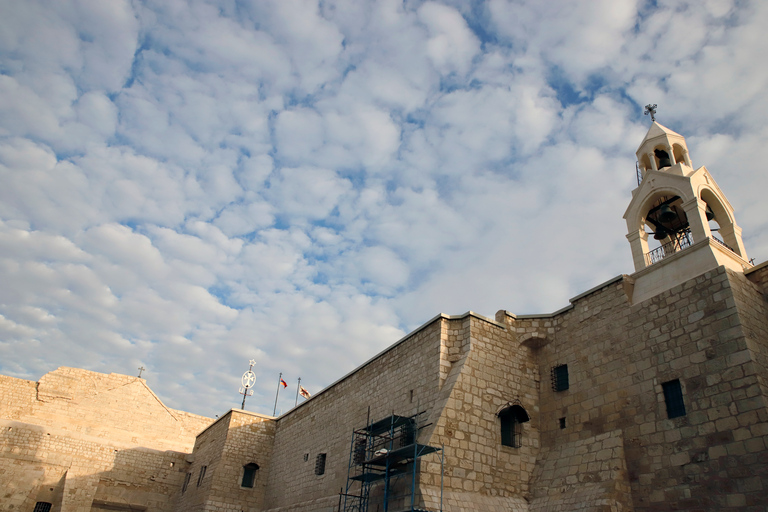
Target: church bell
[666,214]
[663,158]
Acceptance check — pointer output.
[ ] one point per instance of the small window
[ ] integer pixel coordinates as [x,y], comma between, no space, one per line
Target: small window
[320,464]
[306,457]
[42,506]
[512,419]
[560,377]
[562,423]
[249,475]
[673,396]
[186,483]
[202,475]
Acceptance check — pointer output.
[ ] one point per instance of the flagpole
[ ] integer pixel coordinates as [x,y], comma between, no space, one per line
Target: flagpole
[280,378]
[297,392]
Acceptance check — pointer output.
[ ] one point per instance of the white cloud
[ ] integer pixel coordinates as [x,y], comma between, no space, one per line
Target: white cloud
[307,192]
[190,184]
[451,45]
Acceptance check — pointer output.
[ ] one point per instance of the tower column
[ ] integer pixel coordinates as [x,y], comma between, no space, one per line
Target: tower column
[696,211]
[732,237]
[653,162]
[671,154]
[638,241]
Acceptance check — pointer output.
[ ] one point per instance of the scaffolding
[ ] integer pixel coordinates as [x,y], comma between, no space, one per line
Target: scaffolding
[383,466]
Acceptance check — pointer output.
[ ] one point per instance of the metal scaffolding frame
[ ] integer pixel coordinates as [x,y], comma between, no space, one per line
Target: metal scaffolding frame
[381,458]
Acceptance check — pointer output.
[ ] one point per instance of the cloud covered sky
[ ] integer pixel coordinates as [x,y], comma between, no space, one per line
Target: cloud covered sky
[187,185]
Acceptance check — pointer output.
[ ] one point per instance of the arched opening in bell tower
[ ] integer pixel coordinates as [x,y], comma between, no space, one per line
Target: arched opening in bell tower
[645,164]
[719,221]
[668,225]
[680,154]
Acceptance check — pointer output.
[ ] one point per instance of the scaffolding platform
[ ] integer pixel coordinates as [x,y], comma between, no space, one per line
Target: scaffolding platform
[403,454]
[383,460]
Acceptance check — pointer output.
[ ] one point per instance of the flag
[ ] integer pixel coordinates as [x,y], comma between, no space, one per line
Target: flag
[303,392]
[285,384]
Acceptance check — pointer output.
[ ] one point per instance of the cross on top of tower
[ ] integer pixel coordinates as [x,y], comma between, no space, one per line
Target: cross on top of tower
[651,109]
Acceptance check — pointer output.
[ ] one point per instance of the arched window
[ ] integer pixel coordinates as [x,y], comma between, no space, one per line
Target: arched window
[249,475]
[512,419]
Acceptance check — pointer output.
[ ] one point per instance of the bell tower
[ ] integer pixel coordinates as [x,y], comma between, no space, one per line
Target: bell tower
[679,222]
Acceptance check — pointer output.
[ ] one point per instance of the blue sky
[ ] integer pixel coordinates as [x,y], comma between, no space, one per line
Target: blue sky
[187,185]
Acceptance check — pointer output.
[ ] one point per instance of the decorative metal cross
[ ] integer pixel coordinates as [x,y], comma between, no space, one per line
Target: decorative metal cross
[248,379]
[141,369]
[651,109]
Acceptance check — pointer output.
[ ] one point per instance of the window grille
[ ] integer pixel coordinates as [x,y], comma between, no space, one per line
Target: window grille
[673,396]
[320,464]
[512,419]
[407,434]
[249,475]
[202,475]
[560,378]
[360,448]
[42,506]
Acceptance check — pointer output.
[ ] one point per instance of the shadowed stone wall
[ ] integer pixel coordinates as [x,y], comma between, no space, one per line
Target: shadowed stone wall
[82,440]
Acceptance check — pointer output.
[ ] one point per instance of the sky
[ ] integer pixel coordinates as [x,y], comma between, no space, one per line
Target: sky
[189,185]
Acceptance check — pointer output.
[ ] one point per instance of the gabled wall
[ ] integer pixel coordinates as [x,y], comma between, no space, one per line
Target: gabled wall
[80,439]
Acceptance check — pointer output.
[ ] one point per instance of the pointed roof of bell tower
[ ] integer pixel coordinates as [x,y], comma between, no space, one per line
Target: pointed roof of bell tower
[658,130]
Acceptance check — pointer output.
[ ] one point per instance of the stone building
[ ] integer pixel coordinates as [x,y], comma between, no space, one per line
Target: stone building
[646,393]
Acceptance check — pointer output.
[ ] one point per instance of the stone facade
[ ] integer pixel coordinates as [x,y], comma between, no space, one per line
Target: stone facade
[85,441]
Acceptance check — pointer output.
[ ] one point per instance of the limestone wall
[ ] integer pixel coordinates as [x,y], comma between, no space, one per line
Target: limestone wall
[618,356]
[754,316]
[236,439]
[461,371]
[201,471]
[80,439]
[325,423]
[36,465]
[491,371]
[585,474]
[117,407]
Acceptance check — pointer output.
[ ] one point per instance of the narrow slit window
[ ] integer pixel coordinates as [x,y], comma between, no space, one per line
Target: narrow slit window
[186,483]
[202,475]
[673,396]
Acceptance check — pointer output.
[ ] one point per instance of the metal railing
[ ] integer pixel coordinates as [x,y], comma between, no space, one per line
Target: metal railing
[723,243]
[678,243]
